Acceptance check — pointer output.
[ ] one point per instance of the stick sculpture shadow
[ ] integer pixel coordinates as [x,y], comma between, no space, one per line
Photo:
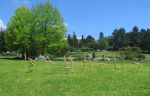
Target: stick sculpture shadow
[136,63]
[68,63]
[30,64]
[103,62]
[87,61]
[116,65]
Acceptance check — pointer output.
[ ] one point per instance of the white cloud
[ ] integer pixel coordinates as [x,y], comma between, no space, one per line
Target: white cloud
[2,24]
[79,38]
[66,24]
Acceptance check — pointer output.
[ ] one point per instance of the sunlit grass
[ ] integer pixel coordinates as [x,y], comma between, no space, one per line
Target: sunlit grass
[15,80]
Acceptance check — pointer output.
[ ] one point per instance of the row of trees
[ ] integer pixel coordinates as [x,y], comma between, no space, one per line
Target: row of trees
[39,30]
[135,38]
[87,43]
[119,39]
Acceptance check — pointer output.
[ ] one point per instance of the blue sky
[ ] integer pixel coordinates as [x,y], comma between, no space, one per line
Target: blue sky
[90,16]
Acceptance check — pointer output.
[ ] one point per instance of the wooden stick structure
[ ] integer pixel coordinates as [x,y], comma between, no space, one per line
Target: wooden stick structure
[48,61]
[117,66]
[137,65]
[103,62]
[68,63]
[31,63]
[87,62]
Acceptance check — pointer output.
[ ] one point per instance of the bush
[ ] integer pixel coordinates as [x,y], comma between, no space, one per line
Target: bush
[77,55]
[133,52]
[9,54]
[86,49]
[141,56]
[58,49]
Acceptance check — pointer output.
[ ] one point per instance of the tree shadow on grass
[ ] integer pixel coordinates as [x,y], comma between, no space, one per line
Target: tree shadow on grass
[12,58]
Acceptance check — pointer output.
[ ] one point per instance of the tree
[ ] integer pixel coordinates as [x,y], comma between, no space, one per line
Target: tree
[142,38]
[32,32]
[101,35]
[82,42]
[74,40]
[69,38]
[18,30]
[134,39]
[59,48]
[90,42]
[146,40]
[103,43]
[121,38]
[118,38]
[49,26]
[110,42]
[1,40]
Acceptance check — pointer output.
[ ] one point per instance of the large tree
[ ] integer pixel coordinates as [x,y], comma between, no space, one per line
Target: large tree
[101,35]
[49,27]
[34,32]
[134,38]
[118,37]
[90,42]
[69,39]
[18,30]
[146,40]
[2,42]
[103,43]
[74,40]
[82,42]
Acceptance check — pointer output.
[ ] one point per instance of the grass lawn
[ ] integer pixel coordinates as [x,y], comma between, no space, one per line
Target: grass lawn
[107,53]
[49,81]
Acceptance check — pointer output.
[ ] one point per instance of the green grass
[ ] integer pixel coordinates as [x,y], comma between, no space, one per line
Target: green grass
[107,53]
[97,54]
[48,81]
[147,56]
[110,54]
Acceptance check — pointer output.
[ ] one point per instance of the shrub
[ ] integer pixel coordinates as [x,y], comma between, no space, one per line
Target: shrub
[133,52]
[140,56]
[86,49]
[58,49]
[9,54]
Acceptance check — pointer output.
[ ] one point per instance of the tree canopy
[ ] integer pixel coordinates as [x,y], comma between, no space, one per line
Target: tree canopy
[32,31]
